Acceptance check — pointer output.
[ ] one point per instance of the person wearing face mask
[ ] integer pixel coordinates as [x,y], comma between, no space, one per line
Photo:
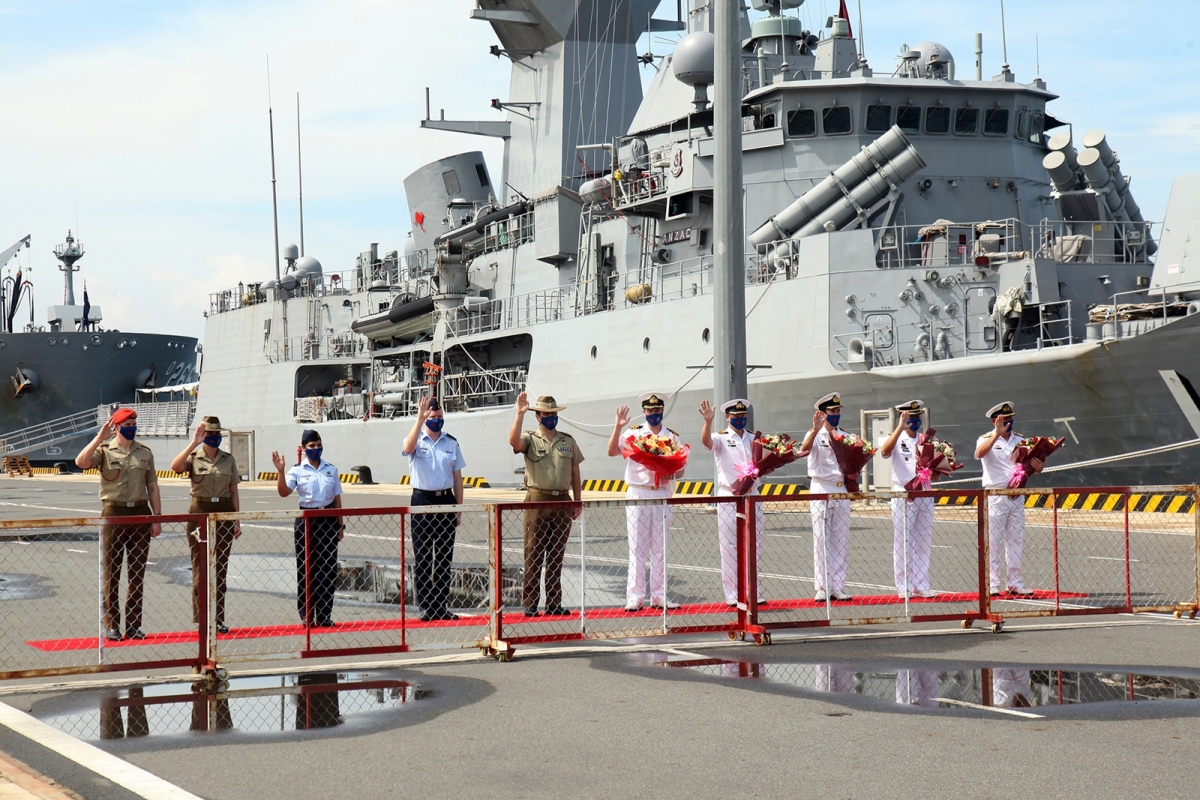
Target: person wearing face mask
[830,518]
[435,464]
[318,485]
[128,488]
[552,461]
[912,519]
[647,524]
[1006,515]
[214,477]
[732,449]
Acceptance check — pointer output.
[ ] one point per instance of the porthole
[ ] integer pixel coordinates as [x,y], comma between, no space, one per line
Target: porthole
[97,338]
[52,341]
[646,344]
[593,353]
[122,343]
[705,336]
[133,342]
[64,341]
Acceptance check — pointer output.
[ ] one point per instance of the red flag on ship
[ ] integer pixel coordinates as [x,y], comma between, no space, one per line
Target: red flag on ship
[844,13]
[419,218]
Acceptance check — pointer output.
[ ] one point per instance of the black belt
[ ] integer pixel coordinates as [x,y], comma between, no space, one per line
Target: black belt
[314,508]
[434,492]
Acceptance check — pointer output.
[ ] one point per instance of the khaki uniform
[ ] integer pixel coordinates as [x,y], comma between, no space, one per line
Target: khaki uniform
[548,468]
[212,480]
[125,481]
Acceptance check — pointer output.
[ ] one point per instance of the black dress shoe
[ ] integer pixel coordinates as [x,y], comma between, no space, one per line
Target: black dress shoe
[134,633]
[557,611]
[113,635]
[425,616]
[531,611]
[325,623]
[222,627]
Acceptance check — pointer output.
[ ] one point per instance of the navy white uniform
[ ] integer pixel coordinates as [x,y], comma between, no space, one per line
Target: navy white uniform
[316,487]
[912,521]
[1006,515]
[733,452]
[431,467]
[647,525]
[830,518]
[917,687]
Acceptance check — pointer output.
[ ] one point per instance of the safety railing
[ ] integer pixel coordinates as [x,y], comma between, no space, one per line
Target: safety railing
[95,595]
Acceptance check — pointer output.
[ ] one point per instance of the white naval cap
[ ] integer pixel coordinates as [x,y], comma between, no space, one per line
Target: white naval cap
[652,400]
[736,406]
[912,406]
[1007,408]
[828,401]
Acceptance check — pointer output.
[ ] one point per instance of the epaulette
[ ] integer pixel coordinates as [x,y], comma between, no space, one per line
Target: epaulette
[672,432]
[635,427]
[449,436]
[723,432]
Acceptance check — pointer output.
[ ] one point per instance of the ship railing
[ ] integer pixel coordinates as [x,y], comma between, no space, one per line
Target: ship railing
[503,235]
[317,348]
[44,434]
[173,418]
[647,184]
[495,387]
[1092,242]
[1055,324]
[946,245]
[329,283]
[1125,320]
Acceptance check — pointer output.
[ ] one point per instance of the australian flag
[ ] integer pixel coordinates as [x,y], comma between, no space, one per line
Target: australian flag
[86,308]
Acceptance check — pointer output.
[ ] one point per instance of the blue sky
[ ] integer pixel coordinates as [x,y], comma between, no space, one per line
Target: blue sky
[143,124]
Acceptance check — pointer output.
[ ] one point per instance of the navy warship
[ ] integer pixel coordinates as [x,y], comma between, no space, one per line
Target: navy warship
[918,231]
[56,377]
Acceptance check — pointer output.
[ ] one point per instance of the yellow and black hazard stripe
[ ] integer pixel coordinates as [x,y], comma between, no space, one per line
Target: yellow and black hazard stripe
[1165,503]
[345,478]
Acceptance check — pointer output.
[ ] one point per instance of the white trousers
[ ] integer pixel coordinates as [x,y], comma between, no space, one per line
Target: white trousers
[647,526]
[1006,541]
[727,531]
[1010,684]
[914,521]
[832,678]
[831,538]
[917,687]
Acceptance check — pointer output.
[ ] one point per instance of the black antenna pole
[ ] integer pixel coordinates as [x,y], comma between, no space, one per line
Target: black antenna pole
[300,173]
[274,200]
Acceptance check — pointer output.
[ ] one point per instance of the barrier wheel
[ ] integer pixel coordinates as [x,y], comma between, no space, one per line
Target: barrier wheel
[967,623]
[762,638]
[504,656]
[1192,614]
[997,627]
[733,635]
[1178,615]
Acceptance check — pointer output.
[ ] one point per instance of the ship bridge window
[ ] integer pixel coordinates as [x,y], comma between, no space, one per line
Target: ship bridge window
[762,117]
[802,122]
[995,122]
[937,119]
[909,118]
[836,120]
[481,173]
[1030,125]
[966,121]
[879,118]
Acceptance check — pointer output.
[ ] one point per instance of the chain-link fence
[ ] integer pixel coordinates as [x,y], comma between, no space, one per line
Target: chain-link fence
[850,559]
[1058,552]
[612,569]
[91,595]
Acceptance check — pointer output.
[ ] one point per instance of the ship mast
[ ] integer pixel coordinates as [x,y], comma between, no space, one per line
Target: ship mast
[729,271]
[68,253]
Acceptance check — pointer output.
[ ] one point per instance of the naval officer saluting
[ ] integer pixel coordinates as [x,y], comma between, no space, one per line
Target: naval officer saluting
[435,464]
[912,517]
[830,518]
[318,484]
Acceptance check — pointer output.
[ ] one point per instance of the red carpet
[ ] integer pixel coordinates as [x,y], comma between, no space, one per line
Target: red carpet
[516,617]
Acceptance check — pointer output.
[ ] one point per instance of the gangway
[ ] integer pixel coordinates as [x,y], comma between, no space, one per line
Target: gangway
[50,432]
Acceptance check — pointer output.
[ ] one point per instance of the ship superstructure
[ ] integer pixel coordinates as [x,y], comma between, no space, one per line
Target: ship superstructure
[914,232]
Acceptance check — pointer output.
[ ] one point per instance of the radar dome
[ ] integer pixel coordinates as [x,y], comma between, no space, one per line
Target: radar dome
[694,59]
[308,265]
[934,57]
[291,252]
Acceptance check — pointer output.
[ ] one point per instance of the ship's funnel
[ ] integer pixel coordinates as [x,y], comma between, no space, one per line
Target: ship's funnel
[888,161]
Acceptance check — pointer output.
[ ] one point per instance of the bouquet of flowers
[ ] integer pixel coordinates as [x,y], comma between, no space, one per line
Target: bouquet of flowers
[852,453]
[935,459]
[767,454]
[662,455]
[1039,447]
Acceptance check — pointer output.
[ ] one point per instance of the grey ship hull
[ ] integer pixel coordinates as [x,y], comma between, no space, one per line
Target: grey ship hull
[83,370]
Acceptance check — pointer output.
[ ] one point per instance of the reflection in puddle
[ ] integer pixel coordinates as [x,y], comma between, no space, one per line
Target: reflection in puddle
[23,587]
[992,687]
[251,705]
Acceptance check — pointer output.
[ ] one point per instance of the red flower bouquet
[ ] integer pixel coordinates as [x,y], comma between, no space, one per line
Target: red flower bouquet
[767,454]
[852,453]
[1039,447]
[662,455]
[935,459]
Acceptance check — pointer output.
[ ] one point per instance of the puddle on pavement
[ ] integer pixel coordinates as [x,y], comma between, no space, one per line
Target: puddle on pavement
[261,704]
[23,587]
[1003,688]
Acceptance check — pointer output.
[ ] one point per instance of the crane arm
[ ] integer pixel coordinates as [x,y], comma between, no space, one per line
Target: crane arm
[12,251]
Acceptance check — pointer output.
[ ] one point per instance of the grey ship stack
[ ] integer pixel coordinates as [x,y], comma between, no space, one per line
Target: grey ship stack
[911,232]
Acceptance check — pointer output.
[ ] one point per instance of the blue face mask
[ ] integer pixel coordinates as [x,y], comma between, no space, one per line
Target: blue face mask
[1008,423]
[314,453]
[435,424]
[833,419]
[914,424]
[738,423]
[549,421]
[129,432]
[654,420]
[213,441]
